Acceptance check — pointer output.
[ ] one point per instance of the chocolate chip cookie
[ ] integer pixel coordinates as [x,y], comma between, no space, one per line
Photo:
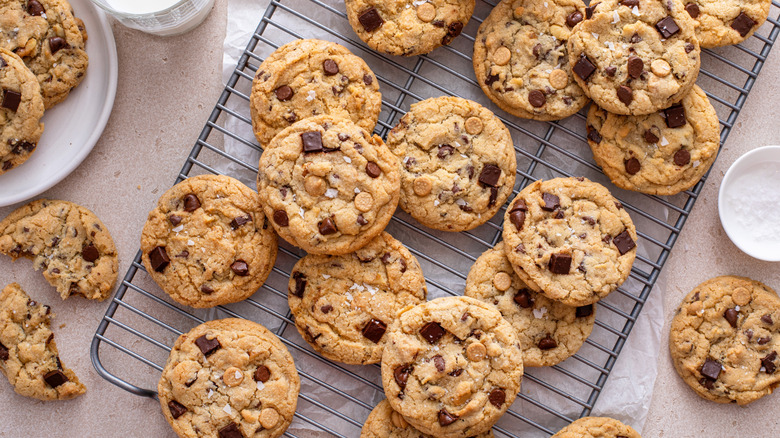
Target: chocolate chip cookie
[597,427]
[229,378]
[47,37]
[328,186]
[570,239]
[725,22]
[68,242]
[21,109]
[635,57]
[401,27]
[306,78]
[521,60]
[28,353]
[208,242]
[384,422]
[725,339]
[548,331]
[343,304]
[457,163]
[451,366]
[662,153]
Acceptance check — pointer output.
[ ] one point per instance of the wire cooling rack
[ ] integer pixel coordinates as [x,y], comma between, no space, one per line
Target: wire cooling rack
[141,323]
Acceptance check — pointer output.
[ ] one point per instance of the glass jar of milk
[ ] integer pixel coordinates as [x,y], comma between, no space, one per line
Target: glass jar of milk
[159,17]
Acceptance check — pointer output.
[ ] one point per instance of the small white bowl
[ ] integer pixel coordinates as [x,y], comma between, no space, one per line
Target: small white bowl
[752,219]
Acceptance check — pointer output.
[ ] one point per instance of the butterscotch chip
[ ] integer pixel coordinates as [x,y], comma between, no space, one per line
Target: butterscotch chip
[422,186]
[501,56]
[474,125]
[660,68]
[502,281]
[559,79]
[233,377]
[476,352]
[314,185]
[269,418]
[426,12]
[741,296]
[364,201]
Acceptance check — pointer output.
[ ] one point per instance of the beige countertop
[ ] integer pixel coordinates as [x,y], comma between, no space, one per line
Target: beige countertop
[167,88]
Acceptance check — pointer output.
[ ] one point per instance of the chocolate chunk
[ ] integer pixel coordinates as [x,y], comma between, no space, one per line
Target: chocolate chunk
[517,217]
[438,361]
[373,170]
[327,226]
[675,116]
[711,369]
[401,375]
[432,332]
[682,157]
[90,253]
[560,263]
[368,79]
[281,219]
[632,166]
[453,30]
[177,409]
[769,362]
[374,330]
[743,24]
[767,319]
[300,284]
[547,343]
[635,66]
[630,3]
[624,242]
[55,378]
[207,346]
[330,67]
[370,19]
[284,93]
[762,341]
[3,352]
[625,94]
[191,203]
[574,18]
[551,202]
[584,68]
[667,27]
[56,44]
[536,98]
[693,9]
[493,196]
[731,317]
[445,418]
[490,175]
[497,397]
[35,8]
[312,141]
[11,99]
[523,299]
[650,137]
[158,258]
[231,431]
[584,311]
[519,205]
[239,221]
[610,70]
[240,268]
[593,135]
[590,10]
[262,374]
[174,219]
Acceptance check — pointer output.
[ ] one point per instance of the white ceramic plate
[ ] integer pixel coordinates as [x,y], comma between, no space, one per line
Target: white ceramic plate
[74,126]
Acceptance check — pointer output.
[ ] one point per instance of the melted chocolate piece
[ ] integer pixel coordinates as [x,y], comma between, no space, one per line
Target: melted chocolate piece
[490,175]
[401,375]
[191,203]
[574,18]
[769,362]
[35,8]
[90,253]
[551,202]
[327,226]
[445,418]
[625,94]
[240,268]
[635,66]
[330,67]
[731,316]
[56,44]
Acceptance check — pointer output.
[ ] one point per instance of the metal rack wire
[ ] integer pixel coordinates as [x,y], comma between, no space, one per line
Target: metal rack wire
[142,323]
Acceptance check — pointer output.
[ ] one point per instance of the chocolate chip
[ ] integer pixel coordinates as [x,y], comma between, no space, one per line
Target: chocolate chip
[177,409]
[589,220]
[519,205]
[584,311]
[55,378]
[667,27]
[749,334]
[401,375]
[207,346]
[610,70]
[174,219]
[711,369]
[625,94]
[731,317]
[191,203]
[262,374]
[523,299]
[158,258]
[445,151]
[517,217]
[239,221]
[689,47]
[551,202]
[281,219]
[675,116]
[493,196]
[630,3]
[624,242]
[35,8]
[206,289]
[11,99]
[90,253]
[439,363]
[490,175]
[547,343]
[361,220]
[682,157]
[590,10]
[453,30]
[3,352]
[456,372]
[432,332]
[370,20]
[373,170]
[445,418]
[593,135]
[574,18]
[327,226]
[284,93]
[312,141]
[56,44]
[326,309]
[693,9]
[769,362]
[762,341]
[584,68]
[330,67]
[240,268]
[497,397]
[560,263]
[767,319]
[536,98]
[368,79]
[632,166]
[438,23]
[374,330]
[650,137]
[231,431]
[300,284]
[743,24]
[635,66]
